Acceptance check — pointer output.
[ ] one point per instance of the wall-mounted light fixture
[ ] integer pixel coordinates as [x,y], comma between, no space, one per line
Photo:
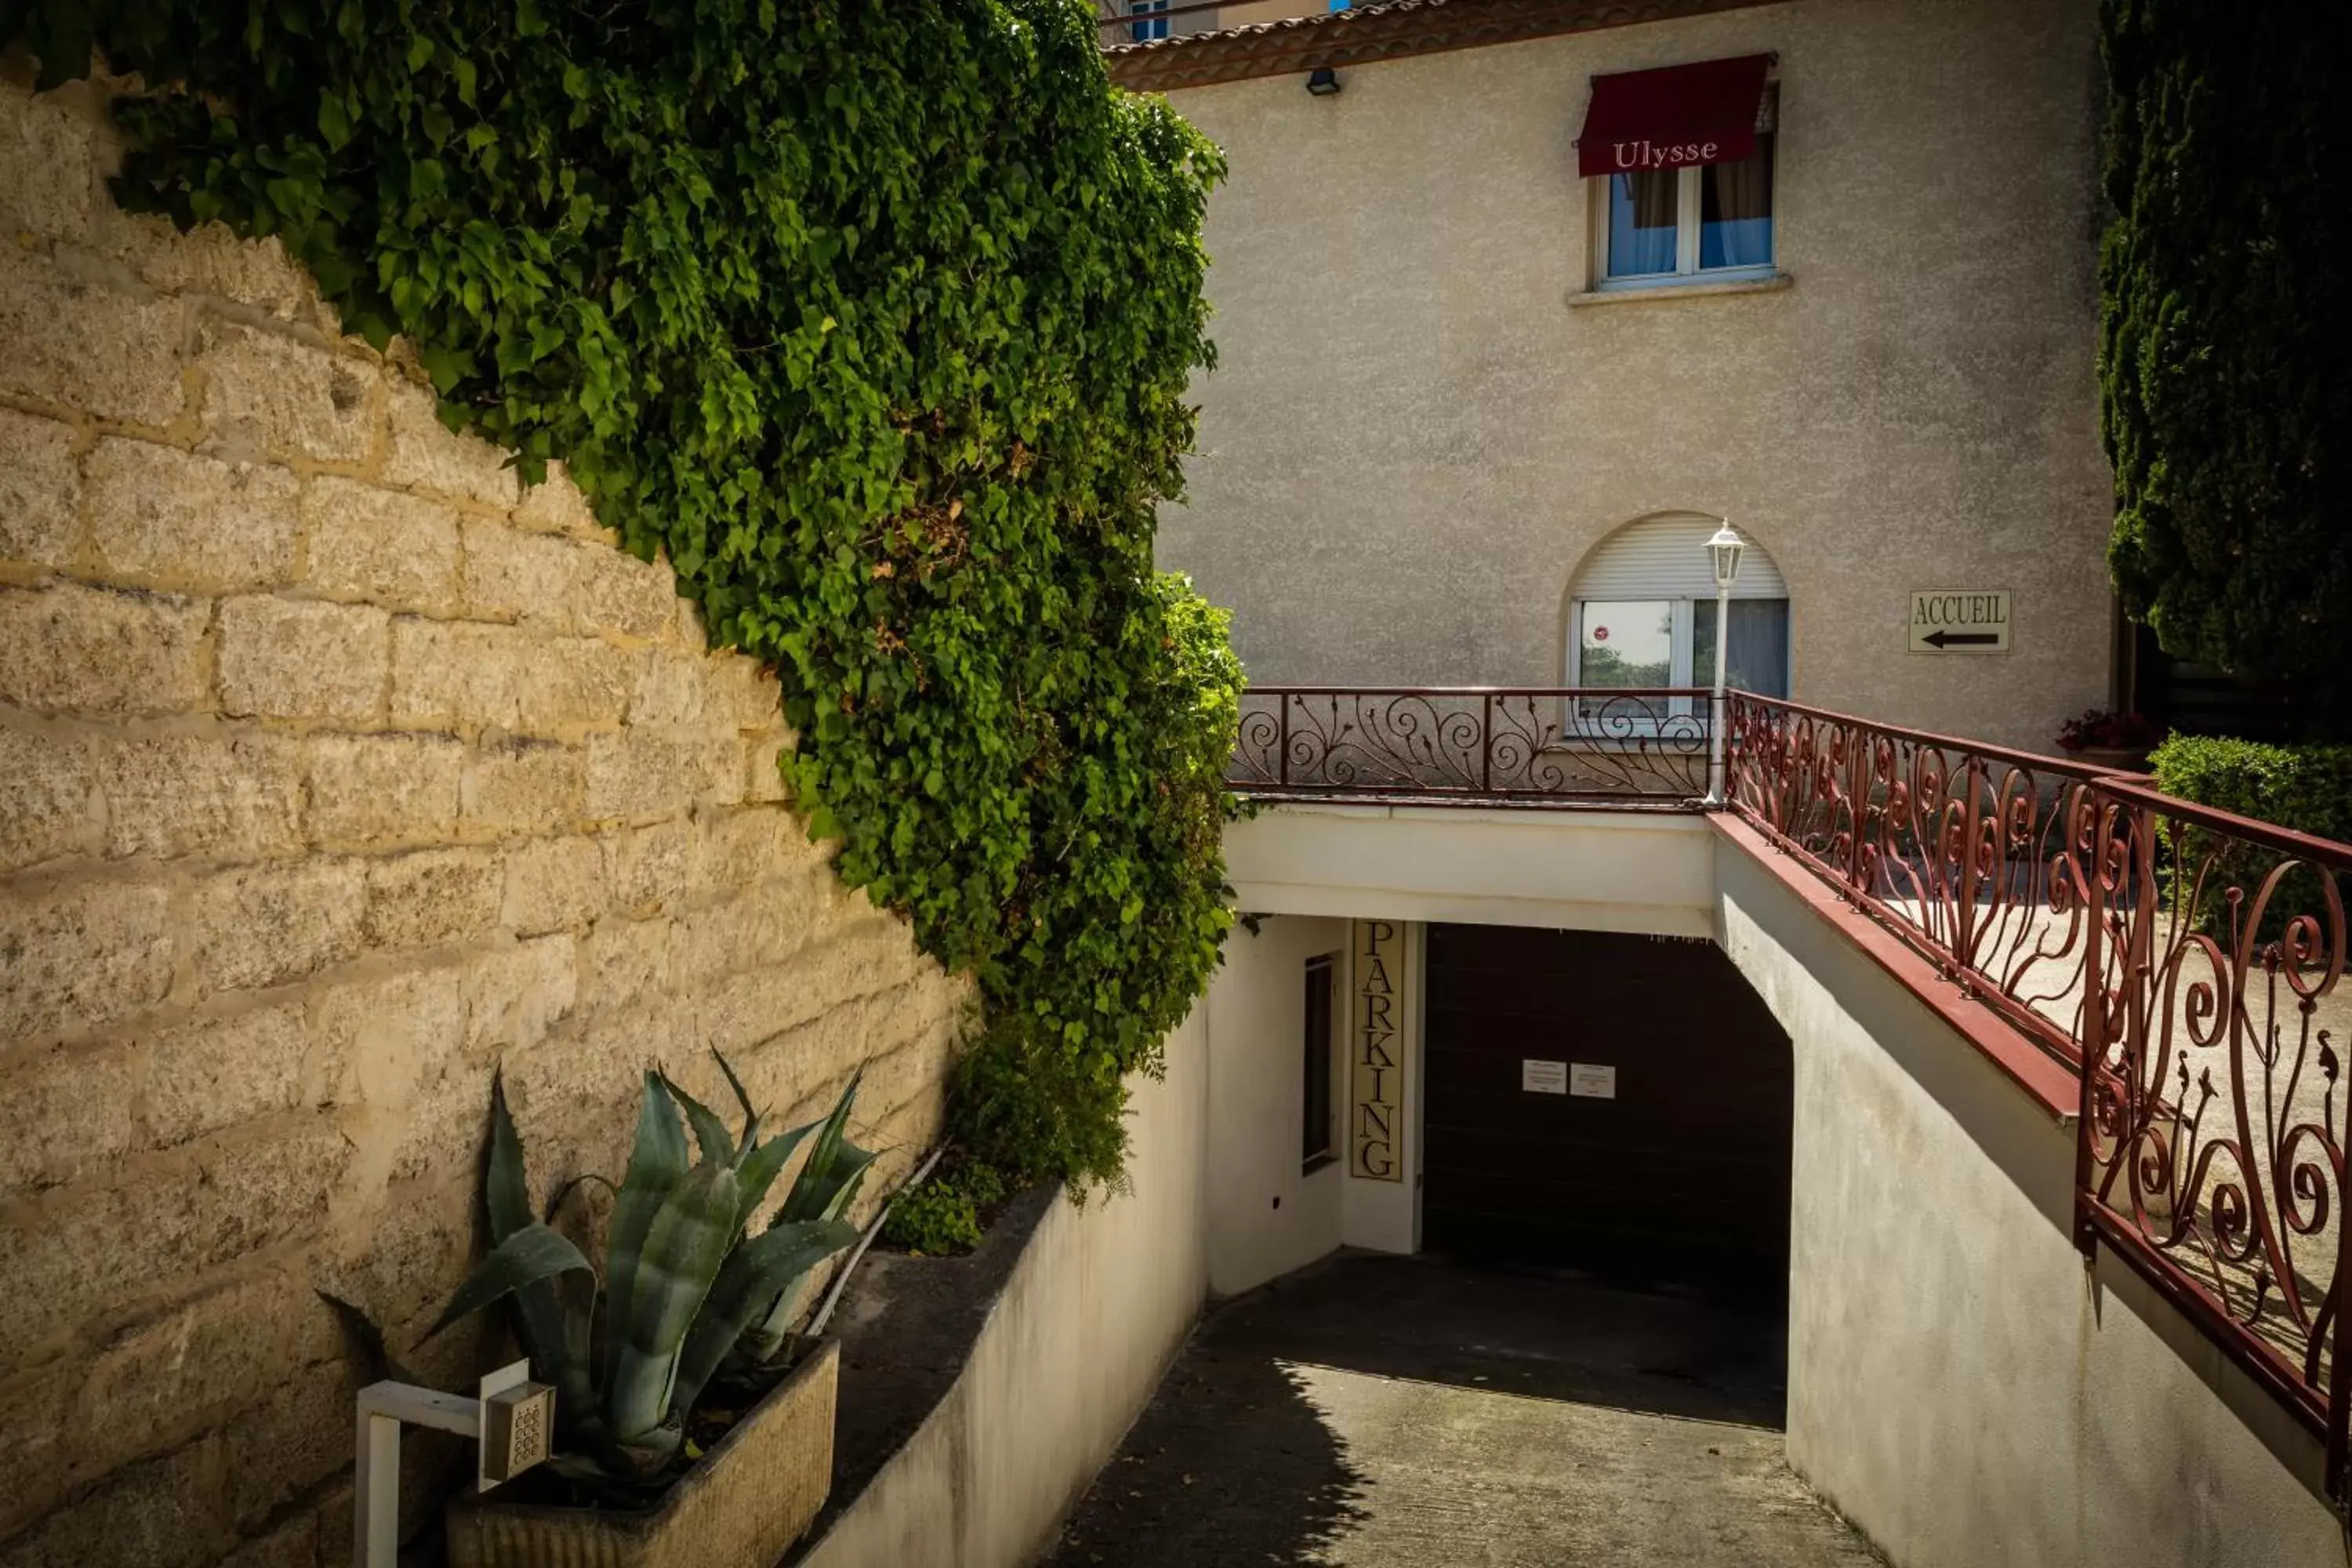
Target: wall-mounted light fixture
[1323,81]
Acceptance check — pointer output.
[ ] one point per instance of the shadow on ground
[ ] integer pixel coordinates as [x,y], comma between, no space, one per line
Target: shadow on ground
[1545,1334]
[1231,1464]
[1374,1411]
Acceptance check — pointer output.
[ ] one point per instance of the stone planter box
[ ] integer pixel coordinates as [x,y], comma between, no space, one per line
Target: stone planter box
[745,1503]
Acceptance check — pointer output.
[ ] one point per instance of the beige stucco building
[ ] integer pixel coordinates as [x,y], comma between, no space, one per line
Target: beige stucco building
[1432,402]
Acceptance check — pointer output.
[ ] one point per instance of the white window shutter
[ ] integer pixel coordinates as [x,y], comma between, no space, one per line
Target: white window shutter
[1666,558]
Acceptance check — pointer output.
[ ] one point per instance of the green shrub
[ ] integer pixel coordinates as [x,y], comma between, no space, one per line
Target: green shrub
[878,317]
[2306,788]
[944,1214]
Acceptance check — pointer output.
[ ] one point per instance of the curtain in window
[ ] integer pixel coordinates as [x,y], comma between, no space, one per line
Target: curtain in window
[1736,210]
[1758,657]
[1641,219]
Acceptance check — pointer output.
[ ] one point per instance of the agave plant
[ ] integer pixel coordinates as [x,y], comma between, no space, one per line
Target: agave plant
[686,1288]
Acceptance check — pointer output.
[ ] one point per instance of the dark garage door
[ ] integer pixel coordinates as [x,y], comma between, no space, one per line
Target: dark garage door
[1681,1177]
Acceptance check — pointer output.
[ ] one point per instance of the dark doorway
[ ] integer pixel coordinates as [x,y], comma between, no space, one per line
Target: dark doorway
[1667,1160]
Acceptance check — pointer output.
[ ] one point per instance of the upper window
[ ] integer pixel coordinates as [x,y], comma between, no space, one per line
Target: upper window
[1681,163]
[1144,32]
[1642,613]
[1689,222]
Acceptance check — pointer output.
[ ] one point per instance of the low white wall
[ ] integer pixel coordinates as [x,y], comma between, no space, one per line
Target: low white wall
[1588,870]
[1267,1217]
[1095,1309]
[1959,1386]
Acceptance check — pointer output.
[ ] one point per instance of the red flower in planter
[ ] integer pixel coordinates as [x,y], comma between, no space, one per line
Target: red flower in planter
[2107,730]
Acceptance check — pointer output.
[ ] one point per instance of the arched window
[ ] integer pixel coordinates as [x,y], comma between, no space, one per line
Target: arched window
[1642,612]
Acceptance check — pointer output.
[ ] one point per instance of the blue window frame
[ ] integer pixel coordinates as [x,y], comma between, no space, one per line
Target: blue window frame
[1144,32]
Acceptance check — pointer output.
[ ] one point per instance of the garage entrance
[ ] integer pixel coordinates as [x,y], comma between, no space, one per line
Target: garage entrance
[1615,1104]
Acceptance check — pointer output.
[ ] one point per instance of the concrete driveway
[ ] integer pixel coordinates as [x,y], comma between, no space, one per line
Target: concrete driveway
[1375,1411]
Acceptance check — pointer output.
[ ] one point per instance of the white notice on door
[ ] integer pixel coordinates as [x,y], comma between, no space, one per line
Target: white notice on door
[1592,1081]
[1543,1078]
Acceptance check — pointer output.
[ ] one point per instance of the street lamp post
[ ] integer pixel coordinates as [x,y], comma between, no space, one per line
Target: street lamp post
[1725,549]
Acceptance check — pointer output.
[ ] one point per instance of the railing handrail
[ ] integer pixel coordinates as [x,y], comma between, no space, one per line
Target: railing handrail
[1513,746]
[2304,845]
[2041,762]
[1185,8]
[2118,783]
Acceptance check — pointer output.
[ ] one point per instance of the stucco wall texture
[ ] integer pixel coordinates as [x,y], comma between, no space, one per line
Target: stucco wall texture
[1412,437]
[336,774]
[1266,1214]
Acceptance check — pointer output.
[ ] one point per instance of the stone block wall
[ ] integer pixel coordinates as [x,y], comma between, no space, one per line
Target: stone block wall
[337,773]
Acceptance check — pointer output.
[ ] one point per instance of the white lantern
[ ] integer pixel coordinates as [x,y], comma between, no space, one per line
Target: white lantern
[1725,547]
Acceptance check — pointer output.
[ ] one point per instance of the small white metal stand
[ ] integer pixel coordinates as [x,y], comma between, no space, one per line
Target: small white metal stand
[509,1418]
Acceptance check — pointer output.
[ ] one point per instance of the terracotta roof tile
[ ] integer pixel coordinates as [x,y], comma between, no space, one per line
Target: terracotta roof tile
[1369,33]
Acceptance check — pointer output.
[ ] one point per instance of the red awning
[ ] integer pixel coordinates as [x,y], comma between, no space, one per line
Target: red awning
[1673,118]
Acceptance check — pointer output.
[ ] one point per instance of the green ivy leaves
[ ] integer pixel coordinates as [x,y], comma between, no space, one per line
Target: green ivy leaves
[876,316]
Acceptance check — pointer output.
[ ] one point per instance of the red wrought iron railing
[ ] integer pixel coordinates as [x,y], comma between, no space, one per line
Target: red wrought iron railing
[1504,745]
[2212,1124]
[1971,854]
[1123,22]
[2192,958]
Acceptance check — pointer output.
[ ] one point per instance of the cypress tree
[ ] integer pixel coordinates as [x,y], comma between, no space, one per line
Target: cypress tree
[2225,328]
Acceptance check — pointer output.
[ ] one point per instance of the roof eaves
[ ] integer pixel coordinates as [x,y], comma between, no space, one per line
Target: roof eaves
[1362,35]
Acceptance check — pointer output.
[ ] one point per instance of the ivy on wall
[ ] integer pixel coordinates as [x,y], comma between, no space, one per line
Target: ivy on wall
[878,317]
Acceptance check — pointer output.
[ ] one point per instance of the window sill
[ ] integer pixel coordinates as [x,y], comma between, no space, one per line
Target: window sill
[1681,289]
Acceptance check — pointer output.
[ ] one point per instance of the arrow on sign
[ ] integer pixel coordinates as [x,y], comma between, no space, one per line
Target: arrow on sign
[1958,639]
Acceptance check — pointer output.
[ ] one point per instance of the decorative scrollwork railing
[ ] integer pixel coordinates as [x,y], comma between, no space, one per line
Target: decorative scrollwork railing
[1971,854]
[2213,1117]
[1513,744]
[2185,965]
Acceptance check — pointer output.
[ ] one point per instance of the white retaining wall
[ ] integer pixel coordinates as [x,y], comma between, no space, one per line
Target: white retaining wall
[1095,1309]
[1960,1385]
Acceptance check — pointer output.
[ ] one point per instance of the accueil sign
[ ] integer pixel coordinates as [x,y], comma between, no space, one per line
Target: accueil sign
[1959,620]
[1376,1054]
